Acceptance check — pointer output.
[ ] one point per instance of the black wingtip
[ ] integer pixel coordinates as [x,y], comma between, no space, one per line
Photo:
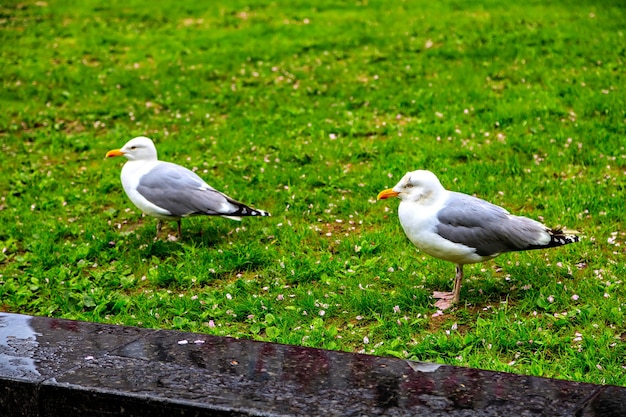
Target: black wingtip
[558,237]
[257,212]
[243,210]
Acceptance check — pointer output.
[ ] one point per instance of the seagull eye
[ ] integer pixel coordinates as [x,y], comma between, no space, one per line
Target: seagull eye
[409,185]
[133,147]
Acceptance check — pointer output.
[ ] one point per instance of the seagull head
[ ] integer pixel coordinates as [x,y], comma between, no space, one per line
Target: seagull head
[137,149]
[414,186]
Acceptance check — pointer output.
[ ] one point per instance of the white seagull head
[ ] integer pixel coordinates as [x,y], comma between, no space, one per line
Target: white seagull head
[137,149]
[414,186]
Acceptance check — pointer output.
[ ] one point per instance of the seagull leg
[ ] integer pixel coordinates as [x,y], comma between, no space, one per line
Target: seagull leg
[180,231]
[457,283]
[447,299]
[159,224]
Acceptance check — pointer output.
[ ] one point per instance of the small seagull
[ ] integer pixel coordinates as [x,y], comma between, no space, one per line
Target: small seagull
[170,192]
[463,229]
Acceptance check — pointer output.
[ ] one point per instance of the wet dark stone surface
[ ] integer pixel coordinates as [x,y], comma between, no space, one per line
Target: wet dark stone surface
[52,367]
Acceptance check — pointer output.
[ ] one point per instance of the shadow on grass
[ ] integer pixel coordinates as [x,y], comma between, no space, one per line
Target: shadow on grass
[146,240]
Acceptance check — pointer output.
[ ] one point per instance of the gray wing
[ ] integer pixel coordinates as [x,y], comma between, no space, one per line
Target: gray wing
[488,228]
[183,193]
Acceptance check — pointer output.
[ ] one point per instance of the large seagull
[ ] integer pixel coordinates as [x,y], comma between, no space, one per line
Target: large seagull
[170,192]
[463,229]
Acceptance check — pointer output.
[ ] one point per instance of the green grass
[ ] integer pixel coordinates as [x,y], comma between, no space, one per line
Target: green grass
[308,111]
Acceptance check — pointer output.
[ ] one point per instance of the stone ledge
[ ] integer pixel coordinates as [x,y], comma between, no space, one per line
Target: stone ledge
[54,367]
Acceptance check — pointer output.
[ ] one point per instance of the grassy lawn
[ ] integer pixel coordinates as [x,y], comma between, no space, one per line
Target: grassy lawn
[308,111]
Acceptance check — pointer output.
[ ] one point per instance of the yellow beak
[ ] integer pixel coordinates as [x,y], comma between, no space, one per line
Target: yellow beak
[114,152]
[387,194]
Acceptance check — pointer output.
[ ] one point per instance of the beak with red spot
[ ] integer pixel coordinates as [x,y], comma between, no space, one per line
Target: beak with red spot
[388,193]
[114,152]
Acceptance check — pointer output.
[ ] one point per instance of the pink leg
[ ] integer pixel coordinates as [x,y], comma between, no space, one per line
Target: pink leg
[447,299]
[457,283]
[159,224]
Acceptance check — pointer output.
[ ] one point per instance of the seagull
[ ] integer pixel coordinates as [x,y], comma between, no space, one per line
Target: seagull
[463,229]
[169,191]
